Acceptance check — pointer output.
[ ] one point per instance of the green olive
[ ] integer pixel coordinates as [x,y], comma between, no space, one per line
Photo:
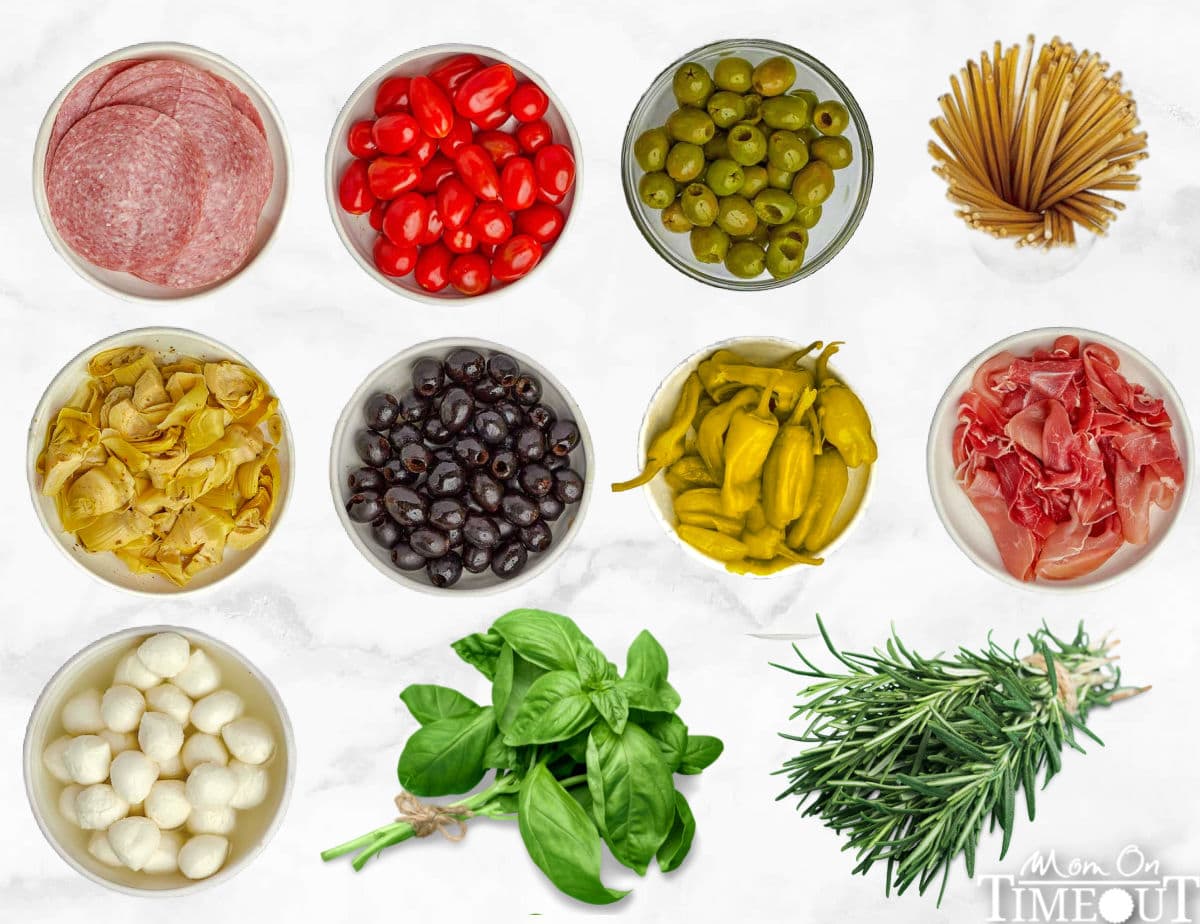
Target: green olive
[813,184]
[809,215]
[724,177]
[774,76]
[691,84]
[830,117]
[786,151]
[835,150]
[736,74]
[791,231]
[685,162]
[774,206]
[673,218]
[709,245]
[726,108]
[692,125]
[809,97]
[747,144]
[657,190]
[760,235]
[785,112]
[784,258]
[745,260]
[699,204]
[755,180]
[809,134]
[735,216]
[779,179]
[717,146]
[651,148]
[753,108]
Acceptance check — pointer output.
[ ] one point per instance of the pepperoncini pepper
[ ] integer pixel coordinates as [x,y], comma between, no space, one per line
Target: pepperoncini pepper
[710,436]
[712,543]
[788,472]
[751,433]
[842,415]
[691,472]
[719,375]
[775,565]
[813,531]
[668,445]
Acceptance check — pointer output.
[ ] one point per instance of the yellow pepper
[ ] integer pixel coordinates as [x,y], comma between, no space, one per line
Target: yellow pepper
[752,566]
[720,376]
[751,433]
[788,472]
[710,436]
[727,525]
[667,447]
[693,472]
[813,531]
[712,543]
[842,415]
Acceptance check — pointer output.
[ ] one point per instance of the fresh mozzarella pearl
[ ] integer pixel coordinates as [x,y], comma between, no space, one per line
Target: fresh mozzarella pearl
[168,698]
[119,741]
[203,855]
[121,708]
[211,786]
[202,748]
[81,713]
[172,768]
[165,858]
[249,740]
[134,841]
[133,773]
[66,803]
[166,654]
[87,758]
[217,710]
[101,849]
[160,736]
[211,820]
[167,804]
[99,806]
[252,785]
[200,677]
[132,672]
[52,758]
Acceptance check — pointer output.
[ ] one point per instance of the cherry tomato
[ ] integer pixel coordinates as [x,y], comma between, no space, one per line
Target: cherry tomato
[406,218]
[390,176]
[450,74]
[493,119]
[541,222]
[534,135]
[377,212]
[550,198]
[392,95]
[355,189]
[528,102]
[432,271]
[460,133]
[455,202]
[423,149]
[491,223]
[470,274]
[500,145]
[488,250]
[516,257]
[555,167]
[359,141]
[395,132]
[394,259]
[484,91]
[433,227]
[460,240]
[477,171]
[518,184]
[435,171]
[431,106]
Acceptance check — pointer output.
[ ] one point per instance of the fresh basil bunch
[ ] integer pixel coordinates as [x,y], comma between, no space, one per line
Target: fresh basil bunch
[580,752]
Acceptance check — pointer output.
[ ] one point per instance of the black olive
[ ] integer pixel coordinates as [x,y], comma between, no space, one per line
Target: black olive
[509,560]
[446,479]
[513,415]
[404,434]
[568,486]
[416,458]
[407,507]
[427,378]
[429,542]
[471,452]
[365,479]
[444,454]
[486,491]
[531,444]
[554,463]
[364,506]
[507,530]
[436,432]
[503,369]
[490,426]
[513,486]
[485,391]
[527,390]
[536,480]
[447,513]
[550,507]
[413,407]
[542,416]
[445,571]
[564,437]
[510,441]
[505,464]
[465,366]
[455,536]
[387,532]
[373,448]
[404,558]
[475,559]
[381,410]
[536,538]
[481,531]
[456,408]
[519,509]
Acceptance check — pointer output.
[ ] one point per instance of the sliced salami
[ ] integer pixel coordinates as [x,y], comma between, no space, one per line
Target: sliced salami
[241,102]
[163,84]
[78,103]
[127,187]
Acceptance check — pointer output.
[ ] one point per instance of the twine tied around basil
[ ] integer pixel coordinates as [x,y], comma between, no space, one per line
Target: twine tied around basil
[449,820]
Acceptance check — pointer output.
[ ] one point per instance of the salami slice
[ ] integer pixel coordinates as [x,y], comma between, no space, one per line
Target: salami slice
[126,189]
[163,84]
[78,103]
[241,102]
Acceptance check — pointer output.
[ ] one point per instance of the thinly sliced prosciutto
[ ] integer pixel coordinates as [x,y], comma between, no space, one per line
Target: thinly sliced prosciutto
[1064,458]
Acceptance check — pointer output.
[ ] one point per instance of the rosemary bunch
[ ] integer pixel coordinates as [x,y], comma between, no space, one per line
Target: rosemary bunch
[911,757]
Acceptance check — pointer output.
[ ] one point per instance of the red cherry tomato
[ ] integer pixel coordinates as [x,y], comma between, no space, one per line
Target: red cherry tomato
[406,218]
[390,176]
[392,95]
[488,250]
[491,223]
[500,145]
[477,171]
[359,141]
[435,171]
[460,133]
[450,74]
[432,271]
[470,274]
[550,198]
[541,222]
[394,259]
[433,227]
[395,132]
[534,135]
[493,119]
[528,102]
[355,190]
[377,212]
[460,240]
[484,91]
[555,167]
[516,257]
[455,203]
[518,184]
[431,106]
[423,149]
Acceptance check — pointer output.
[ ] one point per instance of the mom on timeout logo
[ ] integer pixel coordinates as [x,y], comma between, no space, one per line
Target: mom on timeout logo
[1131,887]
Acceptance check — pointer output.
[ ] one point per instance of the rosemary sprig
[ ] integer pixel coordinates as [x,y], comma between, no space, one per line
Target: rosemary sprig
[911,757]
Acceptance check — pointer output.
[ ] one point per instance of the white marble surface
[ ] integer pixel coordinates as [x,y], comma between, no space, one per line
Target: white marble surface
[340,641]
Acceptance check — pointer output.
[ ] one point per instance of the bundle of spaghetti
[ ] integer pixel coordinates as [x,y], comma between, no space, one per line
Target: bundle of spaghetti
[1029,144]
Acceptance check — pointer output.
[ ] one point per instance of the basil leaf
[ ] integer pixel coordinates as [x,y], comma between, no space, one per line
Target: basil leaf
[429,702]
[546,639]
[612,706]
[480,650]
[679,841]
[561,839]
[671,735]
[640,696]
[646,662]
[632,793]
[499,756]
[554,709]
[575,747]
[445,757]
[591,666]
[701,751]
[517,676]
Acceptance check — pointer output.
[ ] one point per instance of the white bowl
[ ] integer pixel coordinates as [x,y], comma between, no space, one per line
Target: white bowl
[93,667]
[964,523]
[658,413]
[394,376]
[126,285]
[355,230]
[104,565]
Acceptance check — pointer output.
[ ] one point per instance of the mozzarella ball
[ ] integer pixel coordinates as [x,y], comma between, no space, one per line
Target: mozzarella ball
[212,820]
[99,806]
[101,849]
[168,698]
[52,758]
[200,677]
[87,758]
[66,803]
[252,785]
[167,804]
[133,773]
[215,711]
[160,736]
[201,748]
[203,855]
[166,654]
[249,740]
[133,673]
[172,768]
[134,841]
[211,786]
[121,708]
[81,713]
[119,741]
[165,858]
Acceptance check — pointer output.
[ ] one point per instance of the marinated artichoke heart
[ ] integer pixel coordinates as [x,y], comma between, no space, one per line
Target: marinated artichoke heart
[164,464]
